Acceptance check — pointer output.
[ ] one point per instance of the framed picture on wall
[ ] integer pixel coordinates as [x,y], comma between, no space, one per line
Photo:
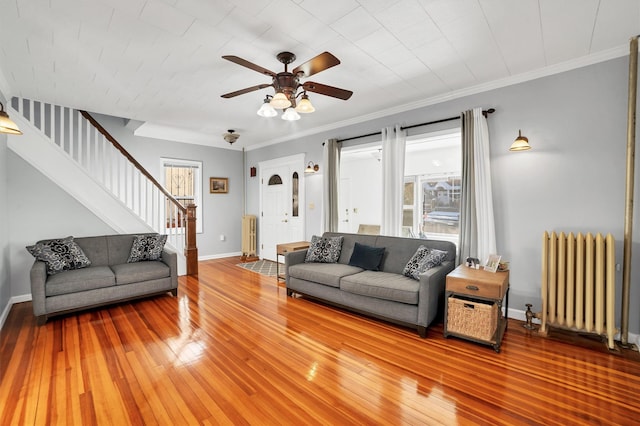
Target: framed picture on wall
[218,185]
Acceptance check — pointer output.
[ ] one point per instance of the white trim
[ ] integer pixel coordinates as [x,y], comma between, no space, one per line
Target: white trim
[219,256]
[518,314]
[12,301]
[584,61]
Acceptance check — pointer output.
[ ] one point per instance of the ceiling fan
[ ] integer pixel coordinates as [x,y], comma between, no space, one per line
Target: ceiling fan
[288,87]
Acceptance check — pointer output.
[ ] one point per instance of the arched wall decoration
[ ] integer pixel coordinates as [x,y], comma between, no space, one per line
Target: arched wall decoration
[275,180]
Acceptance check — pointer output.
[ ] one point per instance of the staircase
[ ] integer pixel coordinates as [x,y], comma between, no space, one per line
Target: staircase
[74,151]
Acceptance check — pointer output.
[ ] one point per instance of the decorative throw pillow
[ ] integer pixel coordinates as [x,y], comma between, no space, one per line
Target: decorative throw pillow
[61,254]
[366,257]
[147,247]
[433,259]
[324,250]
[422,260]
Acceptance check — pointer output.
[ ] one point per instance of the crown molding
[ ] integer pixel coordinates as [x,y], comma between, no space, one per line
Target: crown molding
[561,67]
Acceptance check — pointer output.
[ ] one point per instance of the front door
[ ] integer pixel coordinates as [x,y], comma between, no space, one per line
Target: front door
[282,199]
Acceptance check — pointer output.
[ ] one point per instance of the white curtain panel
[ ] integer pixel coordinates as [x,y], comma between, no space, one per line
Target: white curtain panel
[393,151]
[484,196]
[330,182]
[477,226]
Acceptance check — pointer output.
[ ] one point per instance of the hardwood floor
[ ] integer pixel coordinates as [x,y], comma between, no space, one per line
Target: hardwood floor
[232,348]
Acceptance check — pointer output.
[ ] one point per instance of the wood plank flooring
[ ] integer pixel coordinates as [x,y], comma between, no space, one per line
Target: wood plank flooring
[232,348]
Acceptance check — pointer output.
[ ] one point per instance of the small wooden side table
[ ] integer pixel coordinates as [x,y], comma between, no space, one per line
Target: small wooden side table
[478,285]
[282,249]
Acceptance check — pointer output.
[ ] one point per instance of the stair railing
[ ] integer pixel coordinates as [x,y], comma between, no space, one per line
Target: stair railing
[91,146]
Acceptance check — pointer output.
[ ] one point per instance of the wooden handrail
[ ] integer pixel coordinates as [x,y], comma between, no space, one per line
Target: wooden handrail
[189,212]
[133,161]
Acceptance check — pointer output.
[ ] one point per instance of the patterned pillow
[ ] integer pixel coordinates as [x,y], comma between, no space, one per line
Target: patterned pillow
[424,258]
[324,250]
[61,254]
[146,247]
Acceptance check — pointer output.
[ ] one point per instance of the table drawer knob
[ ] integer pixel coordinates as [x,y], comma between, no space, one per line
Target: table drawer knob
[472,287]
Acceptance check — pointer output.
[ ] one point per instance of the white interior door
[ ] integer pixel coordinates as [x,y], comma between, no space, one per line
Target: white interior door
[281,221]
[344,206]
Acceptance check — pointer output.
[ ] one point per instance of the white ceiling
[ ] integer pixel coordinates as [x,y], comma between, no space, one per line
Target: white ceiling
[159,61]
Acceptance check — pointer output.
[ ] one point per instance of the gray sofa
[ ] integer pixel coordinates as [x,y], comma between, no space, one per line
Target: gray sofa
[386,294]
[107,280]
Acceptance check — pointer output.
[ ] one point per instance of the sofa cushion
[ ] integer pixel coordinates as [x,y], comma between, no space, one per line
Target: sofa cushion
[322,273]
[128,273]
[424,258]
[147,247]
[324,249]
[61,254]
[77,280]
[366,257]
[382,285]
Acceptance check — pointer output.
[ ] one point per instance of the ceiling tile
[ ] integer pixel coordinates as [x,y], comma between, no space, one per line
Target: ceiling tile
[356,25]
[166,17]
[567,28]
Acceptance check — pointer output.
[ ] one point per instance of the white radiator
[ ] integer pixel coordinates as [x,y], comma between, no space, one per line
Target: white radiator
[578,283]
[248,235]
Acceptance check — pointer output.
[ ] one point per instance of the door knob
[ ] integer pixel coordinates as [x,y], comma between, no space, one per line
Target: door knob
[285,220]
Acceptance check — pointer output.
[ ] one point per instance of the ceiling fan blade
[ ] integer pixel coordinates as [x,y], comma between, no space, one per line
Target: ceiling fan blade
[243,91]
[323,89]
[320,63]
[250,65]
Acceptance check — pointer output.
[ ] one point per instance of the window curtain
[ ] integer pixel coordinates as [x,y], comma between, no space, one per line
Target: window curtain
[477,226]
[330,182]
[393,151]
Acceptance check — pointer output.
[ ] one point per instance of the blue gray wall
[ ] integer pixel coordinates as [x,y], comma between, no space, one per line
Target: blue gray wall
[572,180]
[5,283]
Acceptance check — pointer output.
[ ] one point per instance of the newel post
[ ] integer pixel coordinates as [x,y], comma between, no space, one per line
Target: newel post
[190,248]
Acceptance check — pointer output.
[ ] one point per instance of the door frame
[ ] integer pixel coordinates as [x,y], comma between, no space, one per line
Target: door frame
[297,164]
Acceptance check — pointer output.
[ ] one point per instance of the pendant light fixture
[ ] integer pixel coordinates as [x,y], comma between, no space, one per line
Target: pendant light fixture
[6,124]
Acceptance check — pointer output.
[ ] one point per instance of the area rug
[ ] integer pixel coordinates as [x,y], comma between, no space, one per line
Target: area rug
[264,267]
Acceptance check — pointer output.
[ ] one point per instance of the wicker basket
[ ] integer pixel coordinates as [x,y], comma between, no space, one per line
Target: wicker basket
[472,318]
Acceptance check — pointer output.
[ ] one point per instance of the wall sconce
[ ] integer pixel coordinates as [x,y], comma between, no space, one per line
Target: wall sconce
[311,167]
[6,124]
[520,144]
[253,172]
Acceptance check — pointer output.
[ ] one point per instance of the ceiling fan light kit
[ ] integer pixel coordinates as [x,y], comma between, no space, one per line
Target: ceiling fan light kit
[288,87]
[267,110]
[290,114]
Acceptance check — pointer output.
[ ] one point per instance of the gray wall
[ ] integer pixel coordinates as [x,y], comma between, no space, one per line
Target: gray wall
[222,213]
[572,180]
[40,210]
[5,264]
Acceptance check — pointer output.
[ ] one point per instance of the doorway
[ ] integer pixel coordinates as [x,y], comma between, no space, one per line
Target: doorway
[281,203]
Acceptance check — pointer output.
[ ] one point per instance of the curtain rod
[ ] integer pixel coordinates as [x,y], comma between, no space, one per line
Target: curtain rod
[484,112]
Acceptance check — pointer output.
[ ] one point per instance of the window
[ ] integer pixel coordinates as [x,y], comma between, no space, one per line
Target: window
[433,165]
[183,179]
[431,198]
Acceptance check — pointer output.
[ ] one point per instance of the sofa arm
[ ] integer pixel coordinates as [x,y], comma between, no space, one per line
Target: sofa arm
[431,296]
[38,276]
[170,258]
[293,258]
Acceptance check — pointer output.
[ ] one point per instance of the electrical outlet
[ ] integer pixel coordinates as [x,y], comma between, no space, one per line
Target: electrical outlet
[222,237]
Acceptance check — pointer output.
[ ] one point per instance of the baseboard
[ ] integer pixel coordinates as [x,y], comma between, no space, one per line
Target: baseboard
[12,301]
[519,315]
[219,256]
